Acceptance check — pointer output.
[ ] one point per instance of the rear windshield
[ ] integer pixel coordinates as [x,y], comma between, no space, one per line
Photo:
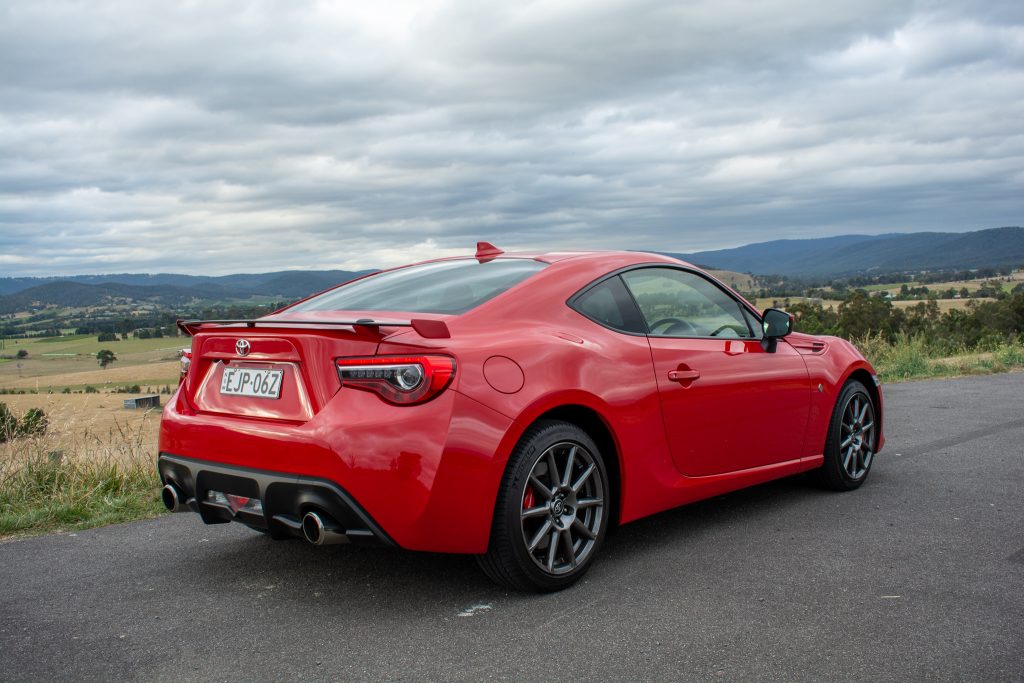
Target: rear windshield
[444,287]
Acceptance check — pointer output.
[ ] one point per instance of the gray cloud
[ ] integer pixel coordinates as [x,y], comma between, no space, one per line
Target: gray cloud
[214,137]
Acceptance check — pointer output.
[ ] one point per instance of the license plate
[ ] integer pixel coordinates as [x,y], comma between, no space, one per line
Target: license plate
[258,382]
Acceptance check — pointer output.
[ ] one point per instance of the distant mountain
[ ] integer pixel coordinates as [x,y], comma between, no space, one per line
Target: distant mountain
[864,254]
[279,283]
[166,289]
[824,257]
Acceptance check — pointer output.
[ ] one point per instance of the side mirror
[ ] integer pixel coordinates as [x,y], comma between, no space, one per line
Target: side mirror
[777,324]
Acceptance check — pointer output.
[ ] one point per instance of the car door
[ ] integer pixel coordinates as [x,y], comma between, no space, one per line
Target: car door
[728,404]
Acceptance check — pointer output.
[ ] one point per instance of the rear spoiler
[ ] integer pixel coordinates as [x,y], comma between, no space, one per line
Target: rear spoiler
[428,329]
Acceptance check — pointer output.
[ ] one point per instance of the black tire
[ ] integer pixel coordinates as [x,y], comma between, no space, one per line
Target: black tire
[851,441]
[570,520]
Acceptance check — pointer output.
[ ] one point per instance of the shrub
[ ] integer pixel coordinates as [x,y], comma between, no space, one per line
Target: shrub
[34,423]
[8,424]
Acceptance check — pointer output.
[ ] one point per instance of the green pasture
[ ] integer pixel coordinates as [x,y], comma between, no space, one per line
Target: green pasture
[87,344]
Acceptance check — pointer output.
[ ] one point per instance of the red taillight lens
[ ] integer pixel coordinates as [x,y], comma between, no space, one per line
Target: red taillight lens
[404,380]
[185,357]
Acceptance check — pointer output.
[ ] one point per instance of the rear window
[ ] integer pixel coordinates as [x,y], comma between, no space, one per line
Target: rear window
[443,287]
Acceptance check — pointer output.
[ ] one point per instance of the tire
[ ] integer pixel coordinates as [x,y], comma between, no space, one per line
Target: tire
[851,441]
[548,529]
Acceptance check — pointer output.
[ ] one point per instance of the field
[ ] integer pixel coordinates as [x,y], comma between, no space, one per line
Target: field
[54,363]
[944,304]
[741,282]
[1008,283]
[95,464]
[89,418]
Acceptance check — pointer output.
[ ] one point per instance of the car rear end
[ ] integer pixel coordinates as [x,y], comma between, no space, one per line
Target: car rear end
[338,425]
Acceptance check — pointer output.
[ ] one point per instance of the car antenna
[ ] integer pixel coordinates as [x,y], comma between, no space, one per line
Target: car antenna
[485,251]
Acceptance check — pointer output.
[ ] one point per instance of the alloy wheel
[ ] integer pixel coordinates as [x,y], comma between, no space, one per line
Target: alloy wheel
[857,436]
[562,508]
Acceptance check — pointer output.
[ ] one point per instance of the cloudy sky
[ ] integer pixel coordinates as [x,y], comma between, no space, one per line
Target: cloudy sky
[216,137]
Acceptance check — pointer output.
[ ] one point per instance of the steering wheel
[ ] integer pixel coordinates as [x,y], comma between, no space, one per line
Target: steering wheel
[676,326]
[740,332]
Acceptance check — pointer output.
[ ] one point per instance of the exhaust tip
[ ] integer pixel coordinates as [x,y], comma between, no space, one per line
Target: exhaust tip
[172,499]
[313,528]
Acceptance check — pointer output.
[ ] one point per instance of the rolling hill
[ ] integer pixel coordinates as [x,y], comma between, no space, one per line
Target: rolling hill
[824,257]
[866,254]
[167,290]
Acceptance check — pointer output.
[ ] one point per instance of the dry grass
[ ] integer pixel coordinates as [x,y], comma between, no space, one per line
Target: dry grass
[974,285]
[45,375]
[945,305]
[741,282]
[94,465]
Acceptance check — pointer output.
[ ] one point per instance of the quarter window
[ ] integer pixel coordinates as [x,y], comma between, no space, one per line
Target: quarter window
[678,303]
[609,304]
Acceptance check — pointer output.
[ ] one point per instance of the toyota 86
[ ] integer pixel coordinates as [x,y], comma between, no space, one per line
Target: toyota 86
[513,407]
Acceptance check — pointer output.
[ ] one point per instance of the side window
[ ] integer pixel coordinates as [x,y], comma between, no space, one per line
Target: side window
[609,304]
[678,303]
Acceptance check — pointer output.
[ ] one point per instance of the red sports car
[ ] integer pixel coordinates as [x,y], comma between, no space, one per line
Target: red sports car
[509,406]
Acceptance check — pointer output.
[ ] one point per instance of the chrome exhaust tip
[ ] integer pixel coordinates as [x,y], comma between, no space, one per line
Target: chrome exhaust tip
[172,499]
[320,532]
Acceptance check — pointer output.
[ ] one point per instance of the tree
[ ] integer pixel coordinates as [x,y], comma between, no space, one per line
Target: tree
[813,318]
[106,337]
[105,357]
[922,319]
[861,315]
[22,353]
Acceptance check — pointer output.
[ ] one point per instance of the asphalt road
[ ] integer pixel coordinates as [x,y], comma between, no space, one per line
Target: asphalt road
[917,575]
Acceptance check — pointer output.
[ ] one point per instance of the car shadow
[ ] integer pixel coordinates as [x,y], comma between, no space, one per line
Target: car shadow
[404,581]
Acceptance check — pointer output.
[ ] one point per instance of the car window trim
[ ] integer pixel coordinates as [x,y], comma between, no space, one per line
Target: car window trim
[671,266]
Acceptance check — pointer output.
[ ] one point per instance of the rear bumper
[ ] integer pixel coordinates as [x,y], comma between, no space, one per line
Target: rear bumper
[426,475]
[285,498]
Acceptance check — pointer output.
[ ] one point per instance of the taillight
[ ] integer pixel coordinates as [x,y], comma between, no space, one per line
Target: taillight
[185,357]
[403,380]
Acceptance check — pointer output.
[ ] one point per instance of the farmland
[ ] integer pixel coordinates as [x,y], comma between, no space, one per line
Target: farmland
[1007,282]
[833,304]
[56,363]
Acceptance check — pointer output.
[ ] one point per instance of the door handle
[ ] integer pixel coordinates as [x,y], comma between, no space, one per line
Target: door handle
[683,376]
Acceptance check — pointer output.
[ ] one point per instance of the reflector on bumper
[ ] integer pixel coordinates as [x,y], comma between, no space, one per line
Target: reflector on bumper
[236,503]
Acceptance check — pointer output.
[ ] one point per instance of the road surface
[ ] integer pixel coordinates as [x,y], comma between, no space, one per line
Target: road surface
[917,575]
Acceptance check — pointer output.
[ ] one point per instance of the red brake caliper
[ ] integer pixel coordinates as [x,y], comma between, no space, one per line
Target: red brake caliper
[528,498]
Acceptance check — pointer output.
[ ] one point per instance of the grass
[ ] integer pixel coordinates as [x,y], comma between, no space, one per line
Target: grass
[48,484]
[87,344]
[910,358]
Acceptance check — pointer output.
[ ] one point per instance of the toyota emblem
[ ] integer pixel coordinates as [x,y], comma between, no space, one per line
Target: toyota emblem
[242,347]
